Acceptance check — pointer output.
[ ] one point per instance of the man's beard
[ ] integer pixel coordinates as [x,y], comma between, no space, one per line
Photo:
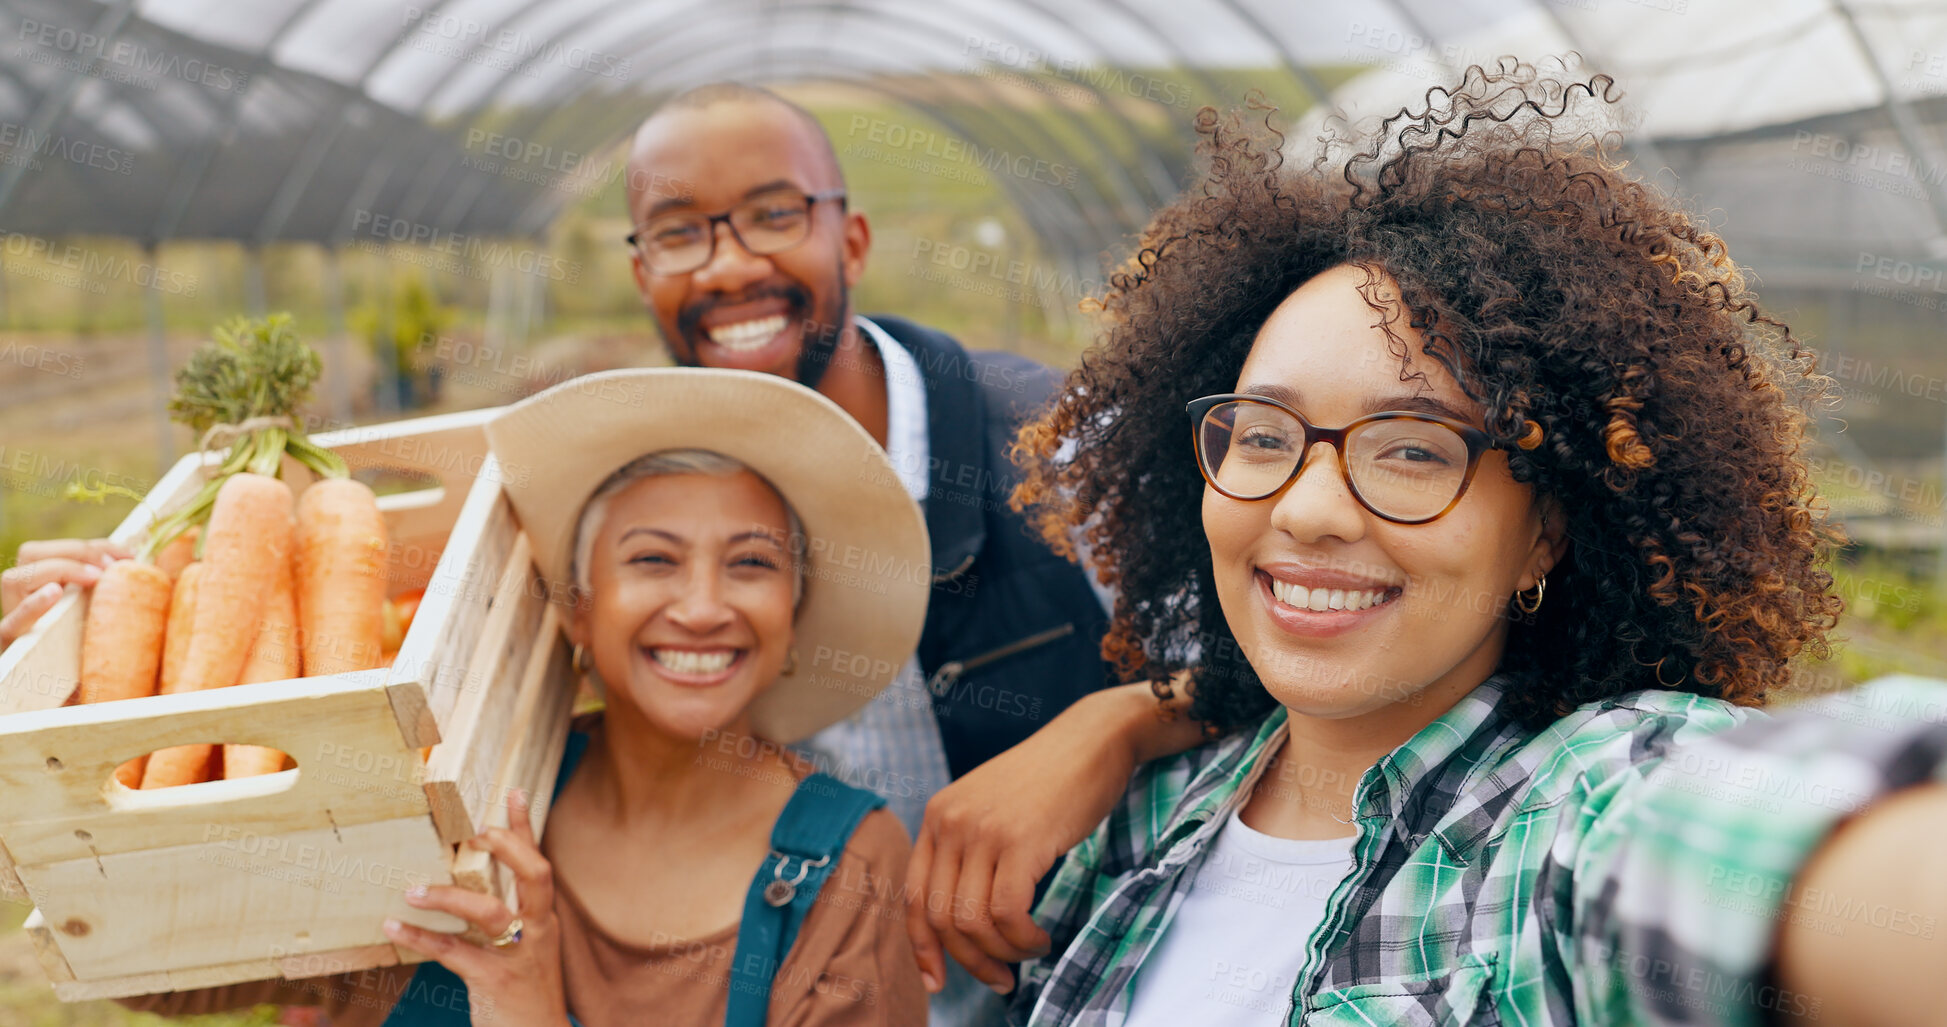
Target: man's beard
[815,348]
[819,333]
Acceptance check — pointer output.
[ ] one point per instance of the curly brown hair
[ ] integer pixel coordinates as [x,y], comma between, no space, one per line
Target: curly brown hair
[1596,323]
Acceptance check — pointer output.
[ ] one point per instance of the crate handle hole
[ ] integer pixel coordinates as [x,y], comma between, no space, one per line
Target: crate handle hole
[210,781]
[54,763]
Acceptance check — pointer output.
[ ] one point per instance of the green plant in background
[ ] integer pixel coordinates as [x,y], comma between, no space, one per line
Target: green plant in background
[1895,620]
[396,327]
[1895,595]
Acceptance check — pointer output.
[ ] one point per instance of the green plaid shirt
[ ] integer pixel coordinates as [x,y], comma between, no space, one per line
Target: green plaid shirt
[1630,863]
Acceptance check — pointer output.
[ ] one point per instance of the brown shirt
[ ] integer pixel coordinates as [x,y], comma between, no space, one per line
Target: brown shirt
[851,966]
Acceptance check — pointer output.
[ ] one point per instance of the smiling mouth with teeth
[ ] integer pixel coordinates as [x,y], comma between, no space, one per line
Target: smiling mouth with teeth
[748,335]
[1322,599]
[690,661]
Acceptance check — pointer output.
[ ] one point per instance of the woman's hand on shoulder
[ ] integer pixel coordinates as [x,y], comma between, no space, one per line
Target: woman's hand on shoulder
[519,982]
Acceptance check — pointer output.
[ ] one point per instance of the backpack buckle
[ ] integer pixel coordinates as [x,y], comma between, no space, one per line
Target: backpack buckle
[780,892]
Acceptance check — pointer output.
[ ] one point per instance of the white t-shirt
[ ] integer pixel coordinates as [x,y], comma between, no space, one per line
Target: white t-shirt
[1231,953]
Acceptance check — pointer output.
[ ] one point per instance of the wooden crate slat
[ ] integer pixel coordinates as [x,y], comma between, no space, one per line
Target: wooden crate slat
[412,713]
[43,667]
[56,767]
[481,761]
[296,968]
[536,763]
[247,898]
[454,611]
[461,773]
[532,757]
[11,890]
[407,442]
[46,949]
[96,989]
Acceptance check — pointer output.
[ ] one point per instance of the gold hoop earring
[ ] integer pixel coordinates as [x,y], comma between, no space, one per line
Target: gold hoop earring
[1522,602]
[581,664]
[790,664]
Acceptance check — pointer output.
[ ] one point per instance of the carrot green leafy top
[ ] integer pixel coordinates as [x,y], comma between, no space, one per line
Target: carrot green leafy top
[243,389]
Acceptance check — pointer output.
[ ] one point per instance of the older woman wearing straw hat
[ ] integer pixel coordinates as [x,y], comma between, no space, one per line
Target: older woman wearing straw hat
[744,570]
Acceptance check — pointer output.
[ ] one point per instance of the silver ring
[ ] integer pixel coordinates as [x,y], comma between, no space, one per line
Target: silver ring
[509,936]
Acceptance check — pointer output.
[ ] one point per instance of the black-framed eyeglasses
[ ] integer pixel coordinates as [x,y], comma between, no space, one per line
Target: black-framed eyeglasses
[1409,468]
[770,222]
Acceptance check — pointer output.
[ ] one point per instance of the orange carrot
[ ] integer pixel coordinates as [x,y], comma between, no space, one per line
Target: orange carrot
[179,553]
[341,544]
[248,541]
[121,641]
[399,612]
[185,759]
[247,538]
[273,657]
[129,774]
[182,617]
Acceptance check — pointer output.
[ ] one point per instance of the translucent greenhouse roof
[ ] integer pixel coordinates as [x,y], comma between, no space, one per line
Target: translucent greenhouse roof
[1810,123]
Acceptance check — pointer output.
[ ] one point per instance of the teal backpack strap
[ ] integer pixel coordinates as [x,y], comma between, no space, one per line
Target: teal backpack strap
[806,843]
[570,759]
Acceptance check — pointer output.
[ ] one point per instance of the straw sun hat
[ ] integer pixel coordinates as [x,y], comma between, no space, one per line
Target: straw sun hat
[868,562]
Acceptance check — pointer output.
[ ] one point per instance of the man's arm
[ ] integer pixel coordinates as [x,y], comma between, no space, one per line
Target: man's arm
[991,835]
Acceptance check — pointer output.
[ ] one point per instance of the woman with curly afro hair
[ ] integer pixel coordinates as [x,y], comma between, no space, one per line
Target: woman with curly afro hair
[1457,491]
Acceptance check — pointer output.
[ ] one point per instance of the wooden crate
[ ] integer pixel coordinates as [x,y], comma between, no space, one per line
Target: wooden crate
[210,884]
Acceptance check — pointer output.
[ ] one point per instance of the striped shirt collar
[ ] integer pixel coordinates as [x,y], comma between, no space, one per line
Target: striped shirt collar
[1441,756]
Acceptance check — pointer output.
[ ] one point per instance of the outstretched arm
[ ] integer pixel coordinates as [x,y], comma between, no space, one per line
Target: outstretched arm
[991,835]
[1791,868]
[1889,967]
